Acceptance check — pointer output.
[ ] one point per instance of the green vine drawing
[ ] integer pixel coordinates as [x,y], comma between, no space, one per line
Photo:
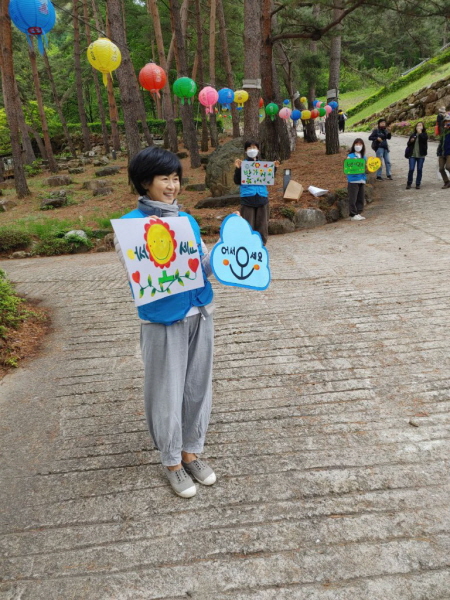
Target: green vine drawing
[166,279]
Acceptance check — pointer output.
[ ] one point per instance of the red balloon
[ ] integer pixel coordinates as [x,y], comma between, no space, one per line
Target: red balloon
[152,77]
[314,114]
[261,103]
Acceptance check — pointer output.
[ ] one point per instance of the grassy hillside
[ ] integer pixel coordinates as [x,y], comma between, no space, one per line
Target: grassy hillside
[387,99]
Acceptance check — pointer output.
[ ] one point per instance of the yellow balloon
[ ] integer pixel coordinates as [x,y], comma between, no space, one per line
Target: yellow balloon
[240,96]
[306,114]
[303,100]
[104,56]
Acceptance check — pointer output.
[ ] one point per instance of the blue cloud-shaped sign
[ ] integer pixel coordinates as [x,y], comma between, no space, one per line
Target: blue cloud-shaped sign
[239,257]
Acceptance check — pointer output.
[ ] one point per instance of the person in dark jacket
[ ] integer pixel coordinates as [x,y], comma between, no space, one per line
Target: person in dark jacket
[443,152]
[418,147]
[254,198]
[379,138]
[440,120]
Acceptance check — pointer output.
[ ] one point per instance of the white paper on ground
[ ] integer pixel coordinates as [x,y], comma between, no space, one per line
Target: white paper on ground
[315,191]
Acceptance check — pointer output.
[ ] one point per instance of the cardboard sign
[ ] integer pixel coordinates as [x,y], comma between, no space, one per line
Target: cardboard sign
[257,172]
[239,257]
[373,164]
[293,190]
[161,256]
[354,166]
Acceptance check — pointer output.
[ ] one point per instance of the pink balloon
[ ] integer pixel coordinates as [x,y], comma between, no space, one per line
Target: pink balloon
[328,109]
[285,113]
[208,96]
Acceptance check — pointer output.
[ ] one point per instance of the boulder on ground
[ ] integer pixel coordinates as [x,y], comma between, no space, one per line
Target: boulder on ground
[195,187]
[107,171]
[76,232]
[102,191]
[220,168]
[278,226]
[6,205]
[54,202]
[56,180]
[306,218]
[76,170]
[20,254]
[96,184]
[218,202]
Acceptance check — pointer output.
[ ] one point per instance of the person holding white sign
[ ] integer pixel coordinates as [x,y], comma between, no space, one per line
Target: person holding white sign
[254,197]
[177,330]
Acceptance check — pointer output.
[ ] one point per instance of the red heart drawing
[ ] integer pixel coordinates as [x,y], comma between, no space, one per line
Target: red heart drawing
[136,276]
[193,264]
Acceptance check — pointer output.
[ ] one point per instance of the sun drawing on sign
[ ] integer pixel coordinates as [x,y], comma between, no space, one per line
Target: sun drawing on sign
[160,242]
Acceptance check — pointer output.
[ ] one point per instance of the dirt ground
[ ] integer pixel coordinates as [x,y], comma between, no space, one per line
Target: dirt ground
[309,166]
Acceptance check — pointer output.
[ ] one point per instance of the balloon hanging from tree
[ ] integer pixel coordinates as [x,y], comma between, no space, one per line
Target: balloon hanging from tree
[208,96]
[104,56]
[226,97]
[184,88]
[34,18]
[285,113]
[152,78]
[296,115]
[272,110]
[240,97]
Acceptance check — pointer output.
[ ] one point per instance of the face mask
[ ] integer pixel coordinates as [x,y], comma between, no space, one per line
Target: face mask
[358,148]
[252,153]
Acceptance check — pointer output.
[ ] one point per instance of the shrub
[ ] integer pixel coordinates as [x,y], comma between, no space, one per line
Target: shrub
[54,246]
[10,315]
[287,212]
[11,239]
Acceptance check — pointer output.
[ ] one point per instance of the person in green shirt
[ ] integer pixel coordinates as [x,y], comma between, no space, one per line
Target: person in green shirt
[417,148]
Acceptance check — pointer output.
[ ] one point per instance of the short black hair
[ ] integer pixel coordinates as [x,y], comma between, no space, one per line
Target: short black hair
[150,162]
[359,141]
[381,121]
[249,143]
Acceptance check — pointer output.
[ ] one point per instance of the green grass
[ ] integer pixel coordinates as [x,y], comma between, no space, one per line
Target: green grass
[350,99]
[399,94]
[104,222]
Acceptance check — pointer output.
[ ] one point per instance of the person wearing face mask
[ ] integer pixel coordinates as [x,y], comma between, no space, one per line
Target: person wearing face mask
[254,198]
[416,150]
[356,183]
[379,137]
[443,152]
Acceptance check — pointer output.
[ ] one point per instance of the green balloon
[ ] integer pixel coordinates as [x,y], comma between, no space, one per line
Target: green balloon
[184,87]
[322,112]
[272,109]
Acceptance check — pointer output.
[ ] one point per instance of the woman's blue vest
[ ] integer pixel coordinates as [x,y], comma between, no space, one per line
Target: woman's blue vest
[174,308]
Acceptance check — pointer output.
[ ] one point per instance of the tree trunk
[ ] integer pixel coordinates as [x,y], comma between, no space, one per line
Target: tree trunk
[58,106]
[331,123]
[37,87]
[125,76]
[227,65]
[28,152]
[212,70]
[199,57]
[275,142]
[252,66]
[39,143]
[184,15]
[8,79]
[167,105]
[186,109]
[98,93]
[112,106]
[79,82]
[309,132]
[2,170]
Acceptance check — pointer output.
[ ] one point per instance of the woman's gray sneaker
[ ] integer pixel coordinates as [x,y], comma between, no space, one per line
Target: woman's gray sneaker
[181,483]
[201,471]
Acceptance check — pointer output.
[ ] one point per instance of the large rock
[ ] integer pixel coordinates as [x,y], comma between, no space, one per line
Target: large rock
[7,205]
[306,218]
[195,187]
[56,200]
[220,168]
[76,170]
[229,200]
[96,184]
[56,180]
[278,226]
[103,191]
[107,171]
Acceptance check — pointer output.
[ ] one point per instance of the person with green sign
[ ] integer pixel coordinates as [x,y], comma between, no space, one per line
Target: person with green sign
[356,182]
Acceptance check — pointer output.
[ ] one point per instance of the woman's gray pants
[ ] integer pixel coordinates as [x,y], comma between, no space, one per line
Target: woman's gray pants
[178,384]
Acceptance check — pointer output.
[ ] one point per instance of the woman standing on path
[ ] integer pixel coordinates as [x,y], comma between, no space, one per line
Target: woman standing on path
[417,148]
[379,138]
[356,183]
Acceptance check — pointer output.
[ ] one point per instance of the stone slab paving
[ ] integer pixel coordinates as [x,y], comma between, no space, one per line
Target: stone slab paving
[329,433]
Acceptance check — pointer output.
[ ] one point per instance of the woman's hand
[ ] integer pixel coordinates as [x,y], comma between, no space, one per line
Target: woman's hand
[238,163]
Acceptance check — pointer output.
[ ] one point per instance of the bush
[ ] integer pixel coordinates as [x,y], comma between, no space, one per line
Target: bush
[11,239]
[287,212]
[54,246]
[10,315]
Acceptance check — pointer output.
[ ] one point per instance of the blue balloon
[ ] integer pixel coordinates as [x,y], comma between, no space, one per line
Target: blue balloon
[333,104]
[296,115]
[226,96]
[33,17]
[286,102]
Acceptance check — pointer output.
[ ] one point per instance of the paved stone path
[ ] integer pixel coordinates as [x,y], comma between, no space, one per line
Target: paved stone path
[329,432]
